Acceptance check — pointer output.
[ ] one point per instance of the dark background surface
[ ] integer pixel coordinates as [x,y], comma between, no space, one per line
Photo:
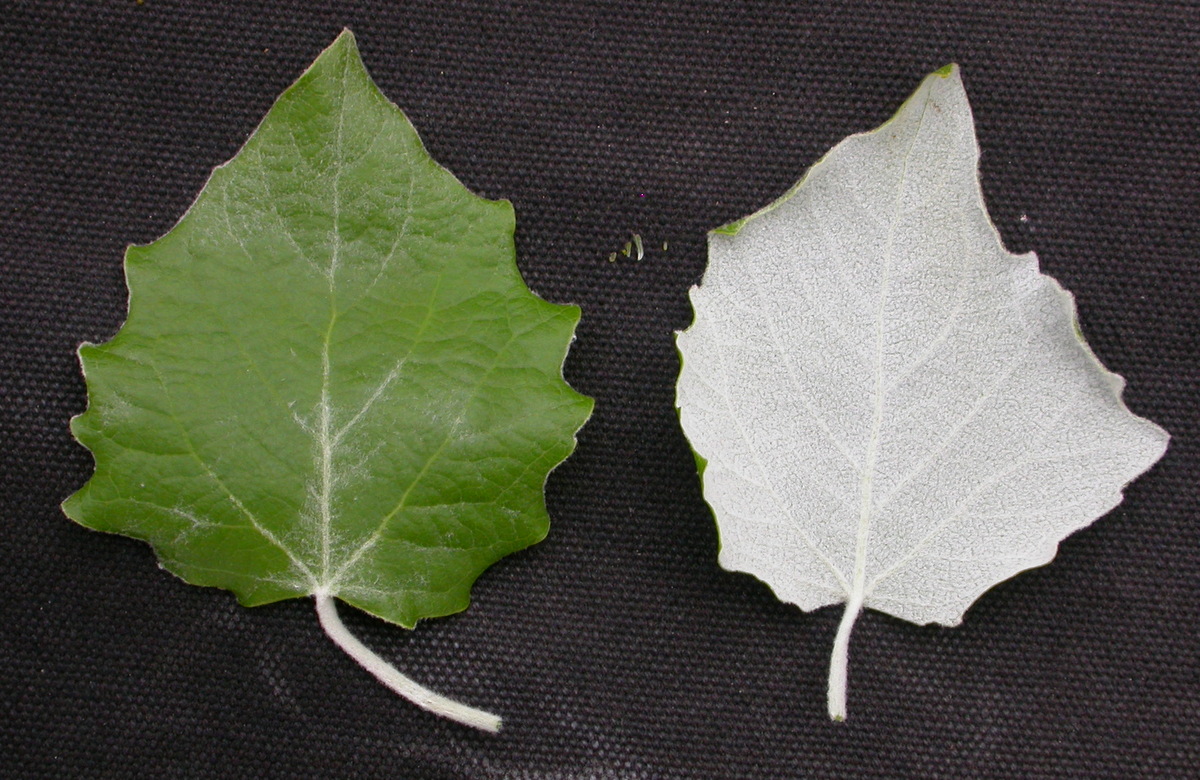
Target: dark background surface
[617,648]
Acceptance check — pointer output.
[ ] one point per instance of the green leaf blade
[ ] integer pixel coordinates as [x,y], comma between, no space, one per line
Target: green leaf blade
[332,378]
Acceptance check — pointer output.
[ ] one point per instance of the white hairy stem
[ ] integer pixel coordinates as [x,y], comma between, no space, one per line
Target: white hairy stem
[392,678]
[840,659]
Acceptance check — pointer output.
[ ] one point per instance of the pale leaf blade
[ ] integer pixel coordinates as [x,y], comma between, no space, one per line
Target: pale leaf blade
[894,410]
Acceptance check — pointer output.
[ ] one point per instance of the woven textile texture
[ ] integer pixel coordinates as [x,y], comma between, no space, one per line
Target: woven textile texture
[617,648]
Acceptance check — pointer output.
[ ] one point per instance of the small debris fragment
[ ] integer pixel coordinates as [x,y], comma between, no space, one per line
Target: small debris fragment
[628,248]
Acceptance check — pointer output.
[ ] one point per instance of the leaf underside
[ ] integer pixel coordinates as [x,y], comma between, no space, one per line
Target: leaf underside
[332,378]
[896,412]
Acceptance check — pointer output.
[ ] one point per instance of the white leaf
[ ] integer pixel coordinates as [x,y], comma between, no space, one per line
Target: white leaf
[896,412]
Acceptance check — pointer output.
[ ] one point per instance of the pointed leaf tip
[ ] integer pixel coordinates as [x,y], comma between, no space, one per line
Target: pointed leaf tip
[346,39]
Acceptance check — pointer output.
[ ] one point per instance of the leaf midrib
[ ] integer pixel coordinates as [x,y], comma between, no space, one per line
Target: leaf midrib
[870,459]
[326,437]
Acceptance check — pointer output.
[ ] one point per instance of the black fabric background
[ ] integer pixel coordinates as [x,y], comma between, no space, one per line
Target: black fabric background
[617,648]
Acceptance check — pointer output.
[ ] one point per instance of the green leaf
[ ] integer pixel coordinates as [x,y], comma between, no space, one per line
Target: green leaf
[333,380]
[889,409]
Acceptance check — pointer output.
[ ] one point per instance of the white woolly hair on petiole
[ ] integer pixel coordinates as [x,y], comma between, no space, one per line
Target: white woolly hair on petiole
[838,662]
[392,678]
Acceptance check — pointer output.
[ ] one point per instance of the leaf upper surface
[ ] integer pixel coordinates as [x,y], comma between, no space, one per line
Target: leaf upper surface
[895,411]
[332,377]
